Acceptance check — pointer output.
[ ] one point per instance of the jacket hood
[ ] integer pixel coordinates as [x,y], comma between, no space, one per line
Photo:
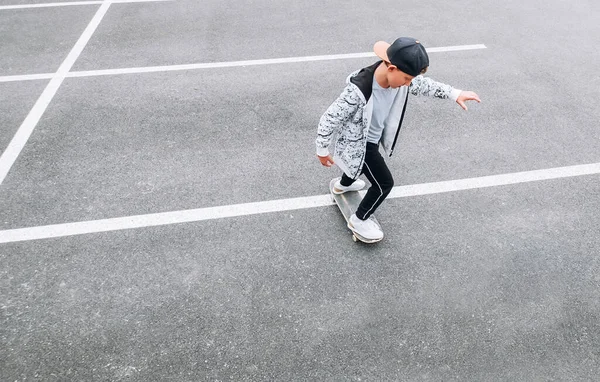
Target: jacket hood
[363,79]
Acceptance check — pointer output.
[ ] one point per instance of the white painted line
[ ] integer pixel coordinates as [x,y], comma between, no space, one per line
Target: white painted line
[69,229]
[454,48]
[26,77]
[47,5]
[272,61]
[236,210]
[230,64]
[9,156]
[67,4]
[495,180]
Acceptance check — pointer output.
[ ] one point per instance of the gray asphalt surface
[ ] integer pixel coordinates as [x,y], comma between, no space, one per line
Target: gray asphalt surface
[38,40]
[489,284]
[16,99]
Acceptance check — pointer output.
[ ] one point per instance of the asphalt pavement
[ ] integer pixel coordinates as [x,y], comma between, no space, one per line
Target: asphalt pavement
[496,283]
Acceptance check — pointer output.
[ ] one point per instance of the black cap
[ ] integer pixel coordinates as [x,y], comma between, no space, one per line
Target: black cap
[406,53]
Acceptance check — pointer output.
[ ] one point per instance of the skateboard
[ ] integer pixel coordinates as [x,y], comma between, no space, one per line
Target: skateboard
[348,203]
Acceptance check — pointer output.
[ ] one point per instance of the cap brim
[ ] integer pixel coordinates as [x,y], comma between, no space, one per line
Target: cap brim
[380,48]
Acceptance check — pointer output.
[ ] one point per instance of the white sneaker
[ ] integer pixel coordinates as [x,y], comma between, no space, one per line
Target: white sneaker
[365,228]
[358,185]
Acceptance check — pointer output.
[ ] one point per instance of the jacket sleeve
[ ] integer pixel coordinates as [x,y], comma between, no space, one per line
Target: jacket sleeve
[426,86]
[340,112]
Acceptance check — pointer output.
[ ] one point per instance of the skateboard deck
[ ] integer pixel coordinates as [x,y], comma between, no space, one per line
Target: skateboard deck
[348,203]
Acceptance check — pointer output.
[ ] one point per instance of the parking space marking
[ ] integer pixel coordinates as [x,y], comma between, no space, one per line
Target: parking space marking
[26,77]
[211,65]
[9,156]
[272,61]
[66,4]
[281,205]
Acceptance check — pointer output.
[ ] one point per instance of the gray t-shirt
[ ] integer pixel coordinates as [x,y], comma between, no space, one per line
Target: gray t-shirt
[383,99]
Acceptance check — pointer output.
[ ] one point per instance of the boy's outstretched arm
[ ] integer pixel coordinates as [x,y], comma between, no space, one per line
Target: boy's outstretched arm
[426,86]
[340,111]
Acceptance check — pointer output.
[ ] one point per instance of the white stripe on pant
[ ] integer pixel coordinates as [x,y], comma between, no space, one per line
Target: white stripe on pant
[381,181]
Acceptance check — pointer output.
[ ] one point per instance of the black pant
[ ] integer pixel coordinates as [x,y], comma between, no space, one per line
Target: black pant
[381,180]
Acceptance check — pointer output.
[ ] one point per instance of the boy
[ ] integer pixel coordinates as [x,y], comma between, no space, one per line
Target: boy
[369,112]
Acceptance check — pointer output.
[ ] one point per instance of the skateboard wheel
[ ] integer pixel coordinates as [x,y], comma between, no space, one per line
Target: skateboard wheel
[354,238]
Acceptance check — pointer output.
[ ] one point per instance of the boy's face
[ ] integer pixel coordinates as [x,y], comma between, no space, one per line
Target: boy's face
[397,77]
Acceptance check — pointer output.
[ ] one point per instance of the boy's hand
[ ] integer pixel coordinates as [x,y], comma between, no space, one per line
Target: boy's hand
[326,161]
[466,96]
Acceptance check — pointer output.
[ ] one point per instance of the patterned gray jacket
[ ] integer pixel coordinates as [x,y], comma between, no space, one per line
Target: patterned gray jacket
[349,117]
